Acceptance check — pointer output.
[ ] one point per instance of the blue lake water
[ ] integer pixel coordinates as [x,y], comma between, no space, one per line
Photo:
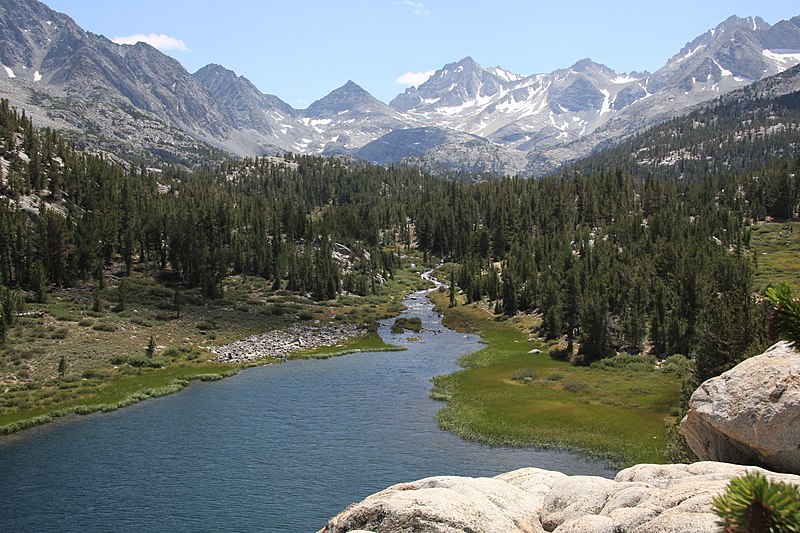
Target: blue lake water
[279,448]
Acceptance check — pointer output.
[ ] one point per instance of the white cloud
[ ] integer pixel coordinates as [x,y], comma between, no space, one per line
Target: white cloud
[417,7]
[415,78]
[162,42]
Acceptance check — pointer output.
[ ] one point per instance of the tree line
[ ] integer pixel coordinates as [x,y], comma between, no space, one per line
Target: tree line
[611,259]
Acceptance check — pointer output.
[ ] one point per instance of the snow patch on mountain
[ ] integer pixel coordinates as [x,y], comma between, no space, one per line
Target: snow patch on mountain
[505,74]
[785,59]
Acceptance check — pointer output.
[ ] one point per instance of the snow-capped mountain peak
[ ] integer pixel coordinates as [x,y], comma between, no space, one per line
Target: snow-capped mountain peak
[463,112]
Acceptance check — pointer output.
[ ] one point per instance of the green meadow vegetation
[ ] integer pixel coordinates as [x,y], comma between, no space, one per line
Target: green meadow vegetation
[407,324]
[776,253]
[615,409]
[371,342]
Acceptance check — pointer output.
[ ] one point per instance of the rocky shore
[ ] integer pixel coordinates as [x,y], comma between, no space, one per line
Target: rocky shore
[279,344]
[643,499]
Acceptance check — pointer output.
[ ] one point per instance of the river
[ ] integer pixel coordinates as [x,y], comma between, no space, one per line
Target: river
[277,448]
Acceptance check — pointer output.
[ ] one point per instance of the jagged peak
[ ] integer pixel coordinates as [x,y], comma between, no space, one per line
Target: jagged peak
[586,65]
[215,68]
[352,86]
[468,62]
[583,64]
[350,90]
[748,23]
[349,95]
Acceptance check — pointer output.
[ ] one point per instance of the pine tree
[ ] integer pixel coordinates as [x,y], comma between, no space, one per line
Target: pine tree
[62,366]
[39,282]
[178,301]
[452,288]
[97,303]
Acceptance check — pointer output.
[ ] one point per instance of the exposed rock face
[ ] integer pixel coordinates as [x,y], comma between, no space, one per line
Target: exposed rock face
[134,100]
[644,498]
[751,413]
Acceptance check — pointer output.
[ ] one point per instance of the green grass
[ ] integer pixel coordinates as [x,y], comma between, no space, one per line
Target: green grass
[371,342]
[407,324]
[617,412]
[776,247]
[122,390]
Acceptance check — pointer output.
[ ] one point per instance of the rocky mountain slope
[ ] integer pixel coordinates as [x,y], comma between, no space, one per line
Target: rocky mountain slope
[557,117]
[741,130]
[119,95]
[736,53]
[134,98]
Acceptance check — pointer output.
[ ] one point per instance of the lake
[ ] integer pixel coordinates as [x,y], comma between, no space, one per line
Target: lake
[278,448]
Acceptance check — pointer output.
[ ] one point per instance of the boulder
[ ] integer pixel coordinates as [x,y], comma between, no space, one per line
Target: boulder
[643,498]
[750,414]
[444,504]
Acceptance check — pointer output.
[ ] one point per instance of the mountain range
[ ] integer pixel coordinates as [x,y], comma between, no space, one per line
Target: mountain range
[135,101]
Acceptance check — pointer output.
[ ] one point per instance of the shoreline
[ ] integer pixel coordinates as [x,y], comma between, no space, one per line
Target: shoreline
[294,342]
[218,369]
[212,371]
[282,343]
[484,403]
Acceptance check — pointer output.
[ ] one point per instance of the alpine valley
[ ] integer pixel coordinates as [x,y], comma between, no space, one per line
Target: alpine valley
[138,103]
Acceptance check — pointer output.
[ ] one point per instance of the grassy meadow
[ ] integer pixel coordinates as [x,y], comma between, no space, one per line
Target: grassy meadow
[508,396]
[776,253]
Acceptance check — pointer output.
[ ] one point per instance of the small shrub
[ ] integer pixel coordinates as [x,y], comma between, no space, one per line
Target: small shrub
[172,352]
[525,376]
[555,376]
[147,362]
[754,503]
[573,385]
[677,364]
[92,373]
[60,333]
[105,326]
[206,325]
[785,322]
[85,322]
[638,363]
[305,315]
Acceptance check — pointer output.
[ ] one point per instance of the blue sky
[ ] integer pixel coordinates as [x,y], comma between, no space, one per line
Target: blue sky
[301,50]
